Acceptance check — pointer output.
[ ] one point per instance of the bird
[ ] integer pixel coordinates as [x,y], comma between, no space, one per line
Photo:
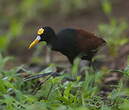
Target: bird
[71,42]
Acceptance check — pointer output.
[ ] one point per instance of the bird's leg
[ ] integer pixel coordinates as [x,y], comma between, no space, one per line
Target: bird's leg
[91,65]
[92,70]
[71,60]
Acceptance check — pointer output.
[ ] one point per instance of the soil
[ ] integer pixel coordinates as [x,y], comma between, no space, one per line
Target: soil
[88,20]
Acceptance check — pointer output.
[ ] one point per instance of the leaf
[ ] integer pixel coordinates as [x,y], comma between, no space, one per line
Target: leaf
[3,43]
[107,7]
[15,28]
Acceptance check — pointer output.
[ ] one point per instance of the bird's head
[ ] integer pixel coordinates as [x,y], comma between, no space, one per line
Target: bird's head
[43,34]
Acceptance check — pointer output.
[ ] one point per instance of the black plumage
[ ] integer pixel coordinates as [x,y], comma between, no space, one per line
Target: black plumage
[72,42]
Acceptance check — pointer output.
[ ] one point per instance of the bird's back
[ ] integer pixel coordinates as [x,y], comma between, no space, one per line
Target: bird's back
[75,42]
[88,44]
[87,41]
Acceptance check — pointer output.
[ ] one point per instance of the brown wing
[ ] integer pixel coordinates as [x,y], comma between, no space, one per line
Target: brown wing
[88,41]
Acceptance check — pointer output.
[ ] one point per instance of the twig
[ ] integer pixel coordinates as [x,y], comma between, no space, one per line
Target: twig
[41,83]
[54,74]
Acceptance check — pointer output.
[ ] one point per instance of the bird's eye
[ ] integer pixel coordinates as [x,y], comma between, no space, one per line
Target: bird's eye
[40,31]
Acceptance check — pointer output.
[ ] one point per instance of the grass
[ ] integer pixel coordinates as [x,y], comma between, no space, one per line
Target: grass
[56,93]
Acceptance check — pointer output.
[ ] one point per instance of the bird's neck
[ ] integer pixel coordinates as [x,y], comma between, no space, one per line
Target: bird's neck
[53,42]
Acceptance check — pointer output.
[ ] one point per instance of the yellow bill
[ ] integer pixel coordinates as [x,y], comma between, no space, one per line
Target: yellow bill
[35,42]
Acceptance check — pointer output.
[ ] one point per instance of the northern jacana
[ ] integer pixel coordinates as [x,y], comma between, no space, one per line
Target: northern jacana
[70,42]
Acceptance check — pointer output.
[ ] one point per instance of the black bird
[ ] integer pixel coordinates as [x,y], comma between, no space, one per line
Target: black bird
[70,42]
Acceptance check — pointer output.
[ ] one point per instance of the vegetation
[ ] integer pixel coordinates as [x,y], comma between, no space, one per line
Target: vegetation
[59,93]
[17,94]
